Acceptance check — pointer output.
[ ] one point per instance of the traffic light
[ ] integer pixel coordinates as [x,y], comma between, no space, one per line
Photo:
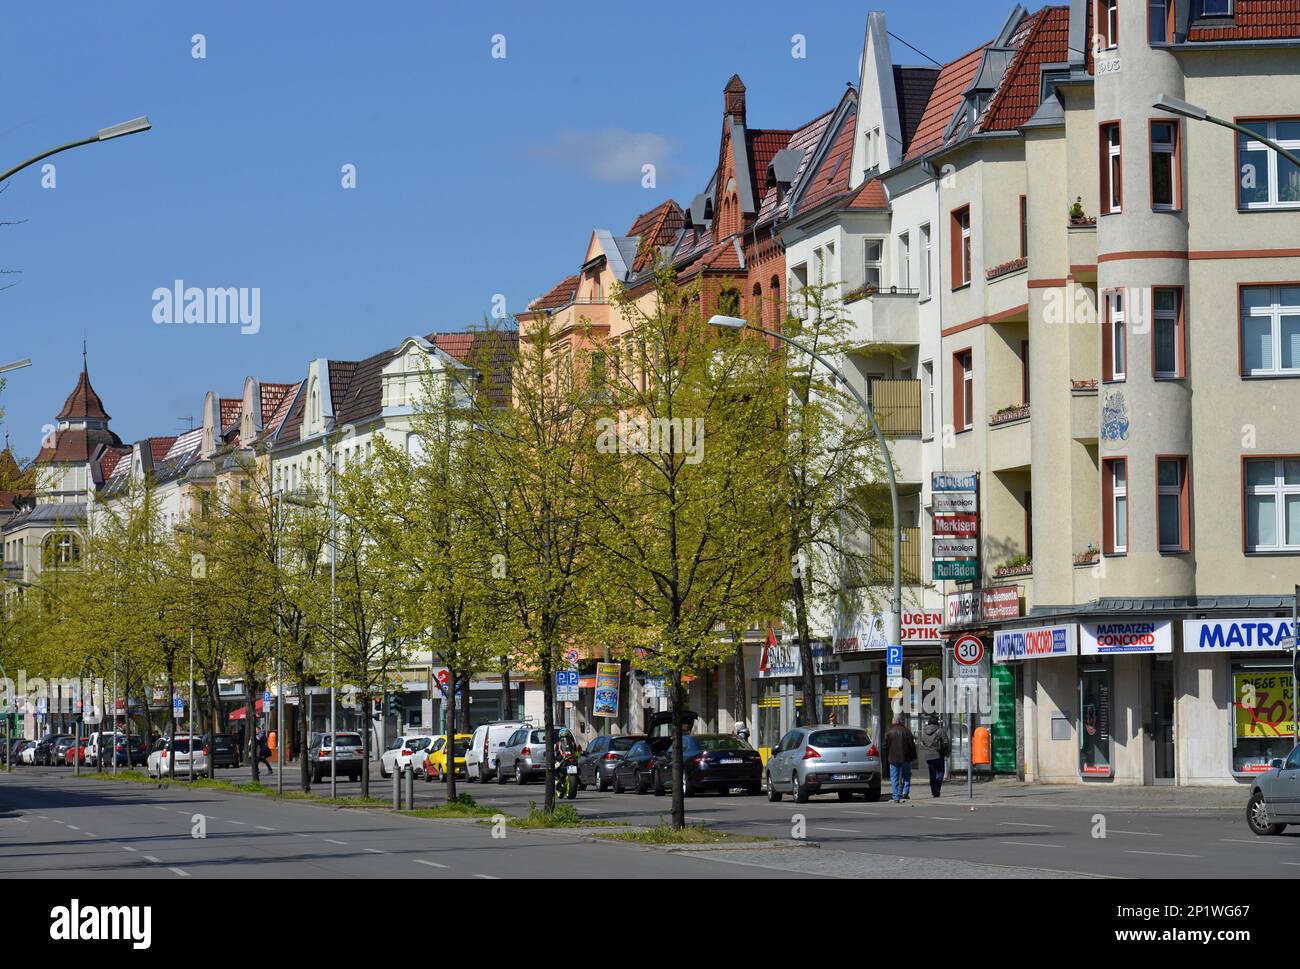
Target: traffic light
[394,706]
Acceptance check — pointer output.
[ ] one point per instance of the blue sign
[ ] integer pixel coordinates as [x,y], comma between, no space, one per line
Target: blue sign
[953,481]
[894,656]
[1044,642]
[894,666]
[566,685]
[1237,635]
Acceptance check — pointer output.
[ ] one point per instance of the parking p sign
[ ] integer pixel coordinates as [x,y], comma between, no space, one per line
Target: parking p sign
[894,662]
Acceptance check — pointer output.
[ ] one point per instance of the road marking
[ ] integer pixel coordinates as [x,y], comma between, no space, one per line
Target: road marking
[1238,841]
[156,861]
[264,828]
[431,864]
[240,823]
[1022,824]
[334,842]
[127,848]
[376,851]
[73,827]
[1167,854]
[1144,834]
[1031,844]
[161,808]
[299,834]
[935,817]
[180,871]
[1294,863]
[822,827]
[492,877]
[90,834]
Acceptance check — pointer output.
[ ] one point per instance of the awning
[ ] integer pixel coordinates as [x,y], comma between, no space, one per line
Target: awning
[238,712]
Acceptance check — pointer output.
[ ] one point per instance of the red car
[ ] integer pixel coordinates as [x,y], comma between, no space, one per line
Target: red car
[76,753]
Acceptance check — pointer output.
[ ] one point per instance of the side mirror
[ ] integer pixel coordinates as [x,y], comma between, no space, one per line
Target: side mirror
[502,744]
[1276,763]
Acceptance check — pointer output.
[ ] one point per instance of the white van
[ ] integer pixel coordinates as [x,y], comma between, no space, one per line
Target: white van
[103,738]
[481,758]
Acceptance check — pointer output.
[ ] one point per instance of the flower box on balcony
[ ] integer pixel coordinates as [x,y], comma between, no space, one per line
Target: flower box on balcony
[1009,414]
[862,292]
[1088,556]
[1007,268]
[1013,571]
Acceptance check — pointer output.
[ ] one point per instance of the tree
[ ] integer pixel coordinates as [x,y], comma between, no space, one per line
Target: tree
[685,492]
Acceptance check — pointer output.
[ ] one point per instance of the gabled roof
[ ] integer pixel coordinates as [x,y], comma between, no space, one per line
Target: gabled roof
[830,178]
[83,403]
[869,196]
[912,89]
[806,141]
[110,459]
[559,295]
[230,410]
[946,96]
[159,447]
[653,230]
[1046,41]
[1254,20]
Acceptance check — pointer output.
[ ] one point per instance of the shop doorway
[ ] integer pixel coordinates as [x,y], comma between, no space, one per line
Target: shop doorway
[1162,721]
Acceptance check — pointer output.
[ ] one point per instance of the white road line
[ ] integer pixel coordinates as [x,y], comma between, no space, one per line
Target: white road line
[376,851]
[240,823]
[90,834]
[1022,824]
[73,827]
[264,828]
[156,861]
[822,827]
[1238,841]
[334,841]
[431,864]
[491,877]
[1292,863]
[934,817]
[299,834]
[180,871]
[161,808]
[1167,854]
[1031,844]
[127,848]
[1144,834]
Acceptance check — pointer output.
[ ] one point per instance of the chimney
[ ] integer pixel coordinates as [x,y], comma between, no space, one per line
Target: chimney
[733,99]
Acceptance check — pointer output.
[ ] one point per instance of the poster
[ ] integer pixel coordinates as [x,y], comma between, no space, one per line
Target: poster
[1272,712]
[1003,730]
[608,677]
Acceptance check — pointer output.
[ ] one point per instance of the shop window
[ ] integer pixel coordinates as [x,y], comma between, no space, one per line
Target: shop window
[1272,504]
[1262,712]
[1094,721]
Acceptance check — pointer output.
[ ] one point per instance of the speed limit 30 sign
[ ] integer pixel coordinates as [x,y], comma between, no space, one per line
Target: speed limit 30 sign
[968,651]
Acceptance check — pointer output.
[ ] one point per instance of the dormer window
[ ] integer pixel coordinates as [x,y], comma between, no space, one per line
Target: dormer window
[1216,8]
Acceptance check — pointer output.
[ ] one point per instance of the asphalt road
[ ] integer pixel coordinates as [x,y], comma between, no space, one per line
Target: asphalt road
[856,837]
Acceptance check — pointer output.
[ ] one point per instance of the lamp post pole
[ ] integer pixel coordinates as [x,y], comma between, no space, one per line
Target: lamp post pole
[131,127]
[1175,106]
[334,554]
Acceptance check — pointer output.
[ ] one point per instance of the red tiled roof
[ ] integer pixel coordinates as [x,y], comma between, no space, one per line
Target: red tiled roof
[110,459]
[763,146]
[658,227]
[561,294]
[83,402]
[230,408]
[944,99]
[490,352]
[273,396]
[159,446]
[870,195]
[806,139]
[832,176]
[1256,20]
[1018,96]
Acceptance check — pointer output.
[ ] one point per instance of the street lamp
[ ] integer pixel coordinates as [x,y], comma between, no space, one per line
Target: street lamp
[134,126]
[1175,106]
[16,365]
[895,620]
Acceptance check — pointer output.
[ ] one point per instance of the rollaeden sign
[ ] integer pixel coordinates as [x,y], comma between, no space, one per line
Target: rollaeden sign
[1108,638]
[1259,634]
[1045,642]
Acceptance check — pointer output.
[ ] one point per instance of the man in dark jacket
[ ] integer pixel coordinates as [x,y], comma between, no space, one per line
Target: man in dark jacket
[900,751]
[934,746]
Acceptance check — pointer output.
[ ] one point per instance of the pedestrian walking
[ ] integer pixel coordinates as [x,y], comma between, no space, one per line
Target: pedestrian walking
[935,746]
[264,751]
[900,751]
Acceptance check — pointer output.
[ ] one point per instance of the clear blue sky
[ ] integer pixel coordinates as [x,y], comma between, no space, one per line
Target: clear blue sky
[475,175]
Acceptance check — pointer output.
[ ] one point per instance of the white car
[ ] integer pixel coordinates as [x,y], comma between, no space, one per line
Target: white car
[28,754]
[489,738]
[99,739]
[161,761]
[400,752]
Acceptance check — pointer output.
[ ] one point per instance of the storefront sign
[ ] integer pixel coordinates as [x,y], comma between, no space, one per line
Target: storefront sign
[1044,642]
[964,525]
[1235,635]
[957,570]
[1004,727]
[1001,602]
[1105,638]
[608,677]
[952,481]
[872,634]
[954,503]
[956,548]
[1272,710]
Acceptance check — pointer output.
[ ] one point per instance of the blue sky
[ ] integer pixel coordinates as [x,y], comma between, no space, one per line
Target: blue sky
[475,175]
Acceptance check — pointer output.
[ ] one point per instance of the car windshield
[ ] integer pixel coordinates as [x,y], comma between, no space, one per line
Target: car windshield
[839,738]
[418,743]
[623,743]
[660,744]
[345,740]
[720,743]
[461,747]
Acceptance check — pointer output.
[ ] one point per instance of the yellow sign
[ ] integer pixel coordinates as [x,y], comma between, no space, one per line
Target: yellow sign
[1264,704]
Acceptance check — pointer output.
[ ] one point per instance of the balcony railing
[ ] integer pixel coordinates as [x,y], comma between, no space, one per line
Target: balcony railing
[897,404]
[881,557]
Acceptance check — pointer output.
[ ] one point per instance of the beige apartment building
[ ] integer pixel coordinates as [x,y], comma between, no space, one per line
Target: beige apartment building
[1129,380]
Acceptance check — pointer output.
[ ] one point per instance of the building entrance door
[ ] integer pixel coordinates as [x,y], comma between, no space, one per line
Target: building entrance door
[1162,720]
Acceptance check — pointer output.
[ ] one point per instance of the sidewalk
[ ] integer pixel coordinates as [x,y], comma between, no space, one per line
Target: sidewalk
[1008,792]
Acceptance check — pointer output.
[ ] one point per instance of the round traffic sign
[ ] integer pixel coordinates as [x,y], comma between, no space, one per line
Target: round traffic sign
[968,650]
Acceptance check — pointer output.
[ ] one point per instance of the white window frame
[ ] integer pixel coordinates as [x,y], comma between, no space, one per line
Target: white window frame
[1274,313]
[1168,150]
[1176,492]
[1216,13]
[927,400]
[1116,327]
[869,264]
[968,391]
[966,254]
[927,251]
[1274,188]
[1114,153]
[1118,492]
[1110,10]
[904,261]
[1278,491]
[1172,317]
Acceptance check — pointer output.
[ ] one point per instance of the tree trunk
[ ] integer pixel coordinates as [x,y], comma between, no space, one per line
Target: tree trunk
[507,701]
[250,721]
[304,728]
[449,748]
[367,722]
[171,724]
[548,698]
[811,714]
[739,704]
[679,796]
[464,707]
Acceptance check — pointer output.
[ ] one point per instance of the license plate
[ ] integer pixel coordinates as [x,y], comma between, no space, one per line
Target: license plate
[844,777]
[731,760]
[572,770]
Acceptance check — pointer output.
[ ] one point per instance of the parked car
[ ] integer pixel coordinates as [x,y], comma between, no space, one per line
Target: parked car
[431,763]
[717,761]
[822,759]
[28,753]
[46,747]
[100,739]
[222,750]
[347,758]
[399,753]
[523,756]
[74,751]
[1275,796]
[130,753]
[481,758]
[596,765]
[174,758]
[59,752]
[13,750]
[635,769]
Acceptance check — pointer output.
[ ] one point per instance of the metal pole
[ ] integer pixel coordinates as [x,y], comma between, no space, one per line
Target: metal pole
[279,664]
[334,554]
[190,719]
[970,748]
[113,741]
[1295,646]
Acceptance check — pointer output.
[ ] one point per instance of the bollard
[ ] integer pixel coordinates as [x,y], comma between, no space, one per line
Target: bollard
[410,787]
[397,790]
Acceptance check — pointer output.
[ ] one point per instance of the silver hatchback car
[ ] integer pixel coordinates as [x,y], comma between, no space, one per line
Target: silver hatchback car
[821,759]
[1275,796]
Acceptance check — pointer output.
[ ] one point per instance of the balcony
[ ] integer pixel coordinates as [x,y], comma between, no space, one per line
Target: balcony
[1083,411]
[13,571]
[881,556]
[1009,444]
[897,405]
[888,317]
